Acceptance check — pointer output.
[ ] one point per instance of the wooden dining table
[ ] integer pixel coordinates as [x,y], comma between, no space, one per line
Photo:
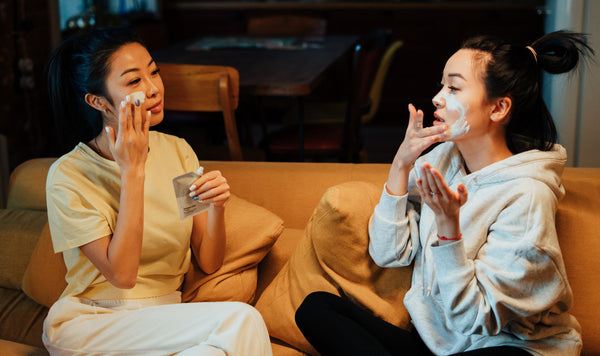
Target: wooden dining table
[292,67]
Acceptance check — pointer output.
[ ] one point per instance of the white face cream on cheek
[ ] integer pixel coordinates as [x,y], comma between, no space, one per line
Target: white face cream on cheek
[460,126]
[138,95]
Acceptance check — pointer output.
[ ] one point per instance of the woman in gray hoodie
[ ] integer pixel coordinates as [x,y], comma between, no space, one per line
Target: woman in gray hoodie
[475,215]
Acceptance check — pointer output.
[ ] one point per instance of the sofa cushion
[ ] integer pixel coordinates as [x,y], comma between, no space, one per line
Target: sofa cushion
[10,348]
[279,255]
[333,256]
[44,279]
[251,232]
[20,232]
[21,318]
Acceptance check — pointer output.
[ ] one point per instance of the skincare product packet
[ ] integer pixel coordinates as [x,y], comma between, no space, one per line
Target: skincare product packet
[187,205]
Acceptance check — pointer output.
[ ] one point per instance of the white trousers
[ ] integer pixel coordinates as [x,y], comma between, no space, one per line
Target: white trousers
[154,326]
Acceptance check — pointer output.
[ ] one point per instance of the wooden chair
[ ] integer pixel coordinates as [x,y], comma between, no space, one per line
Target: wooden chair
[286,25]
[328,140]
[333,129]
[370,95]
[205,88]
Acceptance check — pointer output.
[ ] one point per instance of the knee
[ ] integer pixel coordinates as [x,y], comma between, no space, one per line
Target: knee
[245,312]
[312,308]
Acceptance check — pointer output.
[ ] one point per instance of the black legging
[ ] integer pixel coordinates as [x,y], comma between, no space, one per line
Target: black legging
[335,326]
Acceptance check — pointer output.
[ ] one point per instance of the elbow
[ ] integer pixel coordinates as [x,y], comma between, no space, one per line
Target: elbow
[378,257]
[123,281]
[379,262]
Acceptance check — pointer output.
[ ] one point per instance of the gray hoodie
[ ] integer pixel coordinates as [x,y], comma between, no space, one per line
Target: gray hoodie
[504,282]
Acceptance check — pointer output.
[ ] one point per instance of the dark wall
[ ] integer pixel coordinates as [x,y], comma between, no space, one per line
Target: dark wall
[24,111]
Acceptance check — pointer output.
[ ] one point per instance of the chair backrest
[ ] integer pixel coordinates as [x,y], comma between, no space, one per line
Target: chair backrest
[379,80]
[204,88]
[286,25]
[352,122]
[366,64]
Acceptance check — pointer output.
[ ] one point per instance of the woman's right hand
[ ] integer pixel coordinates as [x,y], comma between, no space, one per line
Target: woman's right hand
[416,139]
[129,146]
[117,256]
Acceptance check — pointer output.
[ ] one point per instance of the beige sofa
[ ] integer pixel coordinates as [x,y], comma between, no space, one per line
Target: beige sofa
[302,234]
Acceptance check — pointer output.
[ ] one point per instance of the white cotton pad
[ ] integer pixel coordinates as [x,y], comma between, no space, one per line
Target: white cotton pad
[138,95]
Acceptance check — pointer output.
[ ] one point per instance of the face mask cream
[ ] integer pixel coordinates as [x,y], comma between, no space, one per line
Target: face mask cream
[460,126]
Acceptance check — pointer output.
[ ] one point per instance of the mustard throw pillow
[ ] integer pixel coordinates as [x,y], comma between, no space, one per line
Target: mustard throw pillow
[333,256]
[251,232]
[44,279]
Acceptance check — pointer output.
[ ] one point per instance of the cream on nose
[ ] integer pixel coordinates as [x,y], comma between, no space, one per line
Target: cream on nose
[438,99]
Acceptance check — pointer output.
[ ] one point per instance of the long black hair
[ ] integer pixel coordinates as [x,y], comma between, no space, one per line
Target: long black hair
[515,71]
[80,65]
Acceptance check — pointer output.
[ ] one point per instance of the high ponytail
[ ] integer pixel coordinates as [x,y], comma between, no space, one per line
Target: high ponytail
[80,65]
[560,51]
[515,71]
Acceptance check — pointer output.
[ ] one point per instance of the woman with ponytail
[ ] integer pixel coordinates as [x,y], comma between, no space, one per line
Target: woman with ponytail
[113,215]
[475,216]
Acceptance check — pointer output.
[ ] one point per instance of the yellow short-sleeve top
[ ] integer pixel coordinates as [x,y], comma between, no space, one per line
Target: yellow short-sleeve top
[83,192]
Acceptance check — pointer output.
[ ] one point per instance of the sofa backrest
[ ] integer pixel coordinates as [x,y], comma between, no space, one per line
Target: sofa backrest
[27,185]
[578,227]
[293,190]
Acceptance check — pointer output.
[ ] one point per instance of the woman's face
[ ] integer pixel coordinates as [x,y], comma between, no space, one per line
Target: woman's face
[132,69]
[462,102]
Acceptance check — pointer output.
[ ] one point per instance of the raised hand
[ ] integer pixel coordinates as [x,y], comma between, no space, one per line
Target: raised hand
[416,139]
[129,146]
[444,202]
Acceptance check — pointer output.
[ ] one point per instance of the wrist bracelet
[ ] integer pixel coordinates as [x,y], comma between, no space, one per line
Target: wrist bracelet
[449,239]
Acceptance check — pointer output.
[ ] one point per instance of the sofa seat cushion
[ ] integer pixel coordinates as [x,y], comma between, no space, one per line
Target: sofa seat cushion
[22,318]
[10,348]
[251,232]
[20,232]
[333,256]
[280,348]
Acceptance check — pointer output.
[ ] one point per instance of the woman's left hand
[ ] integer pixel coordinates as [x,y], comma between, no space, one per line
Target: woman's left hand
[444,202]
[212,188]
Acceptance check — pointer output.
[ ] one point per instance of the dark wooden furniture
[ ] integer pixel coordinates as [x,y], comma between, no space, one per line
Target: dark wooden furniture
[269,72]
[332,130]
[287,25]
